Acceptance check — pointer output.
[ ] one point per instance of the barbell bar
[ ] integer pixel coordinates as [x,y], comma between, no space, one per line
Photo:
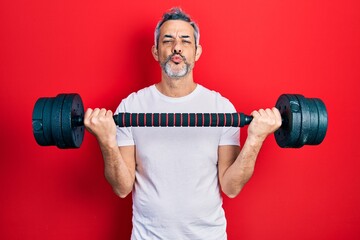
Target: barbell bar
[59,121]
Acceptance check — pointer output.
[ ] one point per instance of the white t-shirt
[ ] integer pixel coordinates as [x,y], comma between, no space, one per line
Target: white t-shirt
[176,193]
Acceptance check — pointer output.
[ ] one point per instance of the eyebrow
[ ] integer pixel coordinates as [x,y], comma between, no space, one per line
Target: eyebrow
[171,36]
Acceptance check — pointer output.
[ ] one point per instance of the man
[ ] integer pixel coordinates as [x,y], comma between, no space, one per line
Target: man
[175,174]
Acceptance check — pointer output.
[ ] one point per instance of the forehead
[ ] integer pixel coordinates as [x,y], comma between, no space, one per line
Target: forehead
[176,27]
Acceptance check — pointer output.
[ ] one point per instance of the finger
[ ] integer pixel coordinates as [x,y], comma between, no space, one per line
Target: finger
[255,114]
[276,112]
[270,113]
[87,113]
[262,112]
[95,113]
[277,115]
[102,112]
[109,113]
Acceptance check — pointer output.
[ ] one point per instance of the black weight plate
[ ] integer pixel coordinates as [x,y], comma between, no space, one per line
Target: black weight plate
[288,134]
[323,121]
[66,127]
[37,122]
[79,129]
[56,121]
[305,121]
[73,134]
[314,119]
[47,122]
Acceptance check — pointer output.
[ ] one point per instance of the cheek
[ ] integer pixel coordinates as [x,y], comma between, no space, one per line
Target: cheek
[164,54]
[191,57]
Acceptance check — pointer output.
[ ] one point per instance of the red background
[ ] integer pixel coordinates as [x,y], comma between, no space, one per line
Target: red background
[252,52]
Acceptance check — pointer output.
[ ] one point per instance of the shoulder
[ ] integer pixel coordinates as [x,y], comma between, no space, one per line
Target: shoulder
[215,96]
[212,93]
[142,93]
[136,98]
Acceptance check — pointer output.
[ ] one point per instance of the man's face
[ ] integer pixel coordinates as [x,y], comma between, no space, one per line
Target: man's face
[176,50]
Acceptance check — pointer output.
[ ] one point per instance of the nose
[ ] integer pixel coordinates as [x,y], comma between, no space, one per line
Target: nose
[177,51]
[177,48]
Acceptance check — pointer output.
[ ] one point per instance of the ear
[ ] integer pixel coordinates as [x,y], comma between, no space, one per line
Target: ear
[198,52]
[155,53]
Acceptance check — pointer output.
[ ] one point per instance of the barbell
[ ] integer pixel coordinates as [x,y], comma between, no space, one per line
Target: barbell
[59,121]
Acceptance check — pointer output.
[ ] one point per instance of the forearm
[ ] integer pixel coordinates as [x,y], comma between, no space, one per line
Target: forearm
[240,172]
[117,171]
[119,163]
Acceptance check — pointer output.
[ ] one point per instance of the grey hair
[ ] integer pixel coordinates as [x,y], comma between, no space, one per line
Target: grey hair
[176,14]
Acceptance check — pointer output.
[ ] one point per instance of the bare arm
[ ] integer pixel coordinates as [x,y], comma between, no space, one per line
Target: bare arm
[236,167]
[119,161]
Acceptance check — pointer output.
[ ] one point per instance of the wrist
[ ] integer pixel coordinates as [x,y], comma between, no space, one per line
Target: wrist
[255,141]
[108,142]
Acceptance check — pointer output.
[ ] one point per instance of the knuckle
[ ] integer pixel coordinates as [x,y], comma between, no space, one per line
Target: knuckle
[86,122]
[93,120]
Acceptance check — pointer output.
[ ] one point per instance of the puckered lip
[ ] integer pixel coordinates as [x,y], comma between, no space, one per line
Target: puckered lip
[176,59]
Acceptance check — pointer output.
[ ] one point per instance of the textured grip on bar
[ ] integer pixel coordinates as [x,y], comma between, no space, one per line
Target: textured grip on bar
[181,119]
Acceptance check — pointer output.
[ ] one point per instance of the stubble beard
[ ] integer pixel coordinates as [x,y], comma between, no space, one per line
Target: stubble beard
[176,73]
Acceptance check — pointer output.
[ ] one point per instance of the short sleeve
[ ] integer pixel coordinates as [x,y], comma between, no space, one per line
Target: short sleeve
[124,136]
[230,135]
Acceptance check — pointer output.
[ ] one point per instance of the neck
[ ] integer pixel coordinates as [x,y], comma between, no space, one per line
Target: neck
[176,87]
